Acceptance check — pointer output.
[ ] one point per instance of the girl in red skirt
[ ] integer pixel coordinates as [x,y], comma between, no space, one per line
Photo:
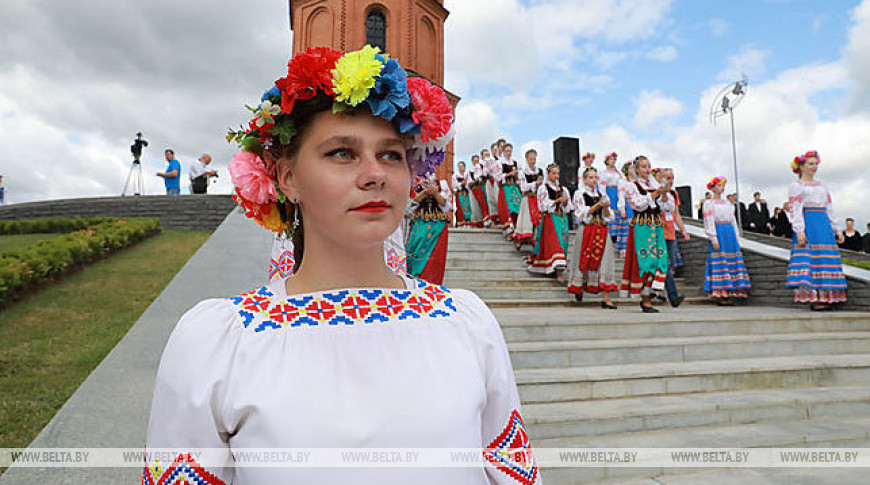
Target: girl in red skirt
[551,242]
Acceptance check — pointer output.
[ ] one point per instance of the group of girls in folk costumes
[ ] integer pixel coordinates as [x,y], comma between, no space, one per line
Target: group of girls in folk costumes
[815,270]
[530,179]
[591,267]
[725,274]
[646,259]
[551,238]
[624,212]
[465,214]
[427,231]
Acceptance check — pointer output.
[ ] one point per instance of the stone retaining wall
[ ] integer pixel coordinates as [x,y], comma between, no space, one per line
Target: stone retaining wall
[197,212]
[767,274]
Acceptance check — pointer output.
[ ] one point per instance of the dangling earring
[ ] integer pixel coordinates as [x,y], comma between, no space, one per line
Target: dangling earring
[295,225]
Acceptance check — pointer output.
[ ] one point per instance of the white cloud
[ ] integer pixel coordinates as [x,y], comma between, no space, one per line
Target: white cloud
[750,61]
[653,106]
[857,58]
[665,53]
[476,128]
[718,27]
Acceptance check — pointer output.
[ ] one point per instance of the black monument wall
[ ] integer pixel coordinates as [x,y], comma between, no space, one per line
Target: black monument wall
[566,154]
[685,195]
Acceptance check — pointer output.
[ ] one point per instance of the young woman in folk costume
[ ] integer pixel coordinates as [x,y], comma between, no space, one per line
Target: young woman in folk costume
[815,270]
[344,354]
[725,274]
[461,179]
[591,267]
[479,210]
[492,169]
[509,192]
[530,180]
[624,212]
[427,233]
[646,258]
[610,179]
[588,159]
[551,239]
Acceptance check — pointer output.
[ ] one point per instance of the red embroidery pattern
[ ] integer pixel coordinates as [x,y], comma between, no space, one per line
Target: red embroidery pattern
[511,451]
[184,470]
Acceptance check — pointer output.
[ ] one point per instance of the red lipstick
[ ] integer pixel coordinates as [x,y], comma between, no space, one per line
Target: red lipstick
[373,206]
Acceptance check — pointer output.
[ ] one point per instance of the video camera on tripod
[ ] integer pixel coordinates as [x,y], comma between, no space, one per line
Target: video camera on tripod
[136,167]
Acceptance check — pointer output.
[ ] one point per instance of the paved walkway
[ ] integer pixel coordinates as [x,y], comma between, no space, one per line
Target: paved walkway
[110,409]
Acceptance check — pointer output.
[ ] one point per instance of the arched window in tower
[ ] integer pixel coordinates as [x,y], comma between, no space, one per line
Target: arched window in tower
[376,29]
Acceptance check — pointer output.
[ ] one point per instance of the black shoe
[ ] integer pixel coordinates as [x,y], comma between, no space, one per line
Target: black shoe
[660,299]
[578,297]
[608,306]
[677,301]
[648,309]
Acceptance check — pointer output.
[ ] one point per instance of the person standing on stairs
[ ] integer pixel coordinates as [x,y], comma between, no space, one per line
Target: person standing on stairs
[343,354]
[591,267]
[428,233]
[530,179]
[673,220]
[492,168]
[646,257]
[463,200]
[479,210]
[509,192]
[610,178]
[815,270]
[624,212]
[551,240]
[725,274]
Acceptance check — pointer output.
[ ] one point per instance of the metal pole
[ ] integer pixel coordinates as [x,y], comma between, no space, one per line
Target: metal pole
[736,175]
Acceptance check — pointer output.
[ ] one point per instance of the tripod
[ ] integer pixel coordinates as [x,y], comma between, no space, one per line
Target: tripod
[138,182]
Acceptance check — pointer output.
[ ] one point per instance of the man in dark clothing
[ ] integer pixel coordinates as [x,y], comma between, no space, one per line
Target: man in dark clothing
[742,217]
[865,241]
[758,215]
[851,237]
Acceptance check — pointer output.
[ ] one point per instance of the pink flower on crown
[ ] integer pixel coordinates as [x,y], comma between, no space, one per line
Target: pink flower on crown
[431,108]
[253,177]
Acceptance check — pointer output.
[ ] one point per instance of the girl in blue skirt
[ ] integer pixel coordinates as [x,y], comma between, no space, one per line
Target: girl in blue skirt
[725,275]
[814,269]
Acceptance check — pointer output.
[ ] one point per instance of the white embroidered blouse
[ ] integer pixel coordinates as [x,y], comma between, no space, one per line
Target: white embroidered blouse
[547,205]
[718,211]
[420,367]
[581,210]
[610,179]
[809,194]
[642,202]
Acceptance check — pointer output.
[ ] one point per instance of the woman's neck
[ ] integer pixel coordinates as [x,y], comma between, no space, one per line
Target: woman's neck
[327,265]
[807,178]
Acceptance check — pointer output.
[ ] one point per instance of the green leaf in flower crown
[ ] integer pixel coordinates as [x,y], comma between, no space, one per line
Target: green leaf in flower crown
[339,107]
[285,130]
[250,144]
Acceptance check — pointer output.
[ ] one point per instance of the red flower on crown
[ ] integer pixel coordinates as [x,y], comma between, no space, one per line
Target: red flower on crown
[431,109]
[306,73]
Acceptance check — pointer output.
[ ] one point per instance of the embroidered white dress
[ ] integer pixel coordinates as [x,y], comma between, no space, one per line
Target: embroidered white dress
[423,367]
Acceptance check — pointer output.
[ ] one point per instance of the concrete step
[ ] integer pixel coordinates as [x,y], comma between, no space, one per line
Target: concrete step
[589,301]
[508,254]
[485,274]
[576,353]
[583,323]
[653,413]
[837,431]
[667,378]
[750,476]
[472,262]
[471,281]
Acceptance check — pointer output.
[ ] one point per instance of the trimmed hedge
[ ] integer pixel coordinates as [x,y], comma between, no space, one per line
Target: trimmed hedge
[51,225]
[859,264]
[24,268]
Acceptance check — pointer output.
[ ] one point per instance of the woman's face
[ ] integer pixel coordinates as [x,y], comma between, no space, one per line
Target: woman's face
[553,174]
[461,167]
[591,178]
[643,168]
[719,188]
[811,166]
[610,162]
[350,177]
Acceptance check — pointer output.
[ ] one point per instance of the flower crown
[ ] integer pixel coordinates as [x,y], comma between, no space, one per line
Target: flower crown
[625,166]
[588,155]
[800,159]
[714,181]
[413,105]
[610,155]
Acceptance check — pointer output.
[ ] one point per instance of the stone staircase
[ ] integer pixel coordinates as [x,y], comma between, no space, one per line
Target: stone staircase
[693,377]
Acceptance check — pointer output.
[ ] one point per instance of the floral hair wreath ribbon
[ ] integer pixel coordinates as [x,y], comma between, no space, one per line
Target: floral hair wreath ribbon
[414,106]
[588,155]
[627,165]
[715,181]
[800,159]
[610,155]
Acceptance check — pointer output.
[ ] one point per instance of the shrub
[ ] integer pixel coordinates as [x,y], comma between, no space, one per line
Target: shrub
[34,265]
[51,225]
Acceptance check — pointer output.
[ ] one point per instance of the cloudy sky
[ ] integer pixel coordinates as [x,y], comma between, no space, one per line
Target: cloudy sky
[79,78]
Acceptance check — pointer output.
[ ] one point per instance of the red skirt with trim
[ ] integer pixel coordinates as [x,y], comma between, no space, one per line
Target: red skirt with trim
[433,272]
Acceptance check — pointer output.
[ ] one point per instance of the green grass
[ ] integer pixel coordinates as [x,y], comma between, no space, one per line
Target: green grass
[18,241]
[859,264]
[54,338]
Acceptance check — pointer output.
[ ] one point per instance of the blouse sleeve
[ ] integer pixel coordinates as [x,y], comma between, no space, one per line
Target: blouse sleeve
[796,207]
[612,216]
[709,220]
[506,446]
[455,183]
[829,207]
[637,201]
[666,202]
[568,207]
[544,203]
[189,392]
[581,211]
[621,187]
[448,197]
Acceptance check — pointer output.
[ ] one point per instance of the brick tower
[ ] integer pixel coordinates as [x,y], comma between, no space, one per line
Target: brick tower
[411,31]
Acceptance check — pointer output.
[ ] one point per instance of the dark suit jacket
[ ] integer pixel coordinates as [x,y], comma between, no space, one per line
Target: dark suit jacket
[743,216]
[759,218]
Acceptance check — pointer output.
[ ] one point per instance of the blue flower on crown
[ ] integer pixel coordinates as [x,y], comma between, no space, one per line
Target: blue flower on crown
[390,92]
[272,92]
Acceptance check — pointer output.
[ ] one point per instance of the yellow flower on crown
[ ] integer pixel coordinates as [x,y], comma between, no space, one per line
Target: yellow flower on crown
[354,75]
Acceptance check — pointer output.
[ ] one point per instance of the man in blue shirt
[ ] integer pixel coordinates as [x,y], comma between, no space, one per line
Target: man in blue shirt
[172,175]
